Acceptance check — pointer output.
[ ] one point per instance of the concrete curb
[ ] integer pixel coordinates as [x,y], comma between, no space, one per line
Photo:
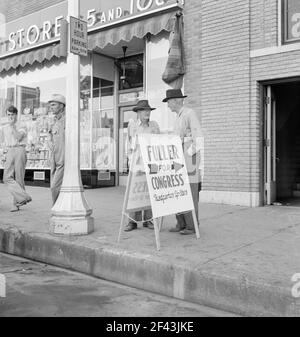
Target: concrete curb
[224,292]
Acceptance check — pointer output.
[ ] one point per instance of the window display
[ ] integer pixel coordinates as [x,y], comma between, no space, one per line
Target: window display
[29,91]
[103,122]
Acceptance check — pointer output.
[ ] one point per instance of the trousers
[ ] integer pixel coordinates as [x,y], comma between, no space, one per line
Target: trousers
[137,216]
[185,220]
[57,174]
[14,173]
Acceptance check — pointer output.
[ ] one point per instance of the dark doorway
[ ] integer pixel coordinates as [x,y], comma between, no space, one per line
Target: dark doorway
[287,96]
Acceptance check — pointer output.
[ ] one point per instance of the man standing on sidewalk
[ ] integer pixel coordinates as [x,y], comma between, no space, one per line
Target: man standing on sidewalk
[57,105]
[187,126]
[14,168]
[142,125]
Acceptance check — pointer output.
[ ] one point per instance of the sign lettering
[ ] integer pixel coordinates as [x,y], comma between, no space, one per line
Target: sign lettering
[44,26]
[166,174]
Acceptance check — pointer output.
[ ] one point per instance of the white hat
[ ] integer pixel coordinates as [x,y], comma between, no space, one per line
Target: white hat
[58,98]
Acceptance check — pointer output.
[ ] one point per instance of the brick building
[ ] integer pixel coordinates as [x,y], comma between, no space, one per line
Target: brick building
[242,77]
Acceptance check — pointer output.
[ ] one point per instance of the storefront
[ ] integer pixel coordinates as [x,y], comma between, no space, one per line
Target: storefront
[128,51]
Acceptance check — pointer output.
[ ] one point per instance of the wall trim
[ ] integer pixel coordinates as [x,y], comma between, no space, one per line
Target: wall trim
[274,50]
[249,199]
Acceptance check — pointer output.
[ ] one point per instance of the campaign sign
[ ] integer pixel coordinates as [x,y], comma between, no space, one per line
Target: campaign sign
[138,197]
[166,174]
[138,193]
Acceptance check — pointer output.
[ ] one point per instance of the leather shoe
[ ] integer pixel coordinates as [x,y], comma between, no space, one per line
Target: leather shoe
[15,208]
[21,203]
[130,227]
[187,231]
[149,224]
[175,229]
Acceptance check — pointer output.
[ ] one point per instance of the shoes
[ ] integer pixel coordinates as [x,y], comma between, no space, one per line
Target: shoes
[175,229]
[187,231]
[148,224]
[130,227]
[29,199]
[15,208]
[21,203]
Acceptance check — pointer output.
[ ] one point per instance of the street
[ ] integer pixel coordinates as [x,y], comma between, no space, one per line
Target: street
[39,290]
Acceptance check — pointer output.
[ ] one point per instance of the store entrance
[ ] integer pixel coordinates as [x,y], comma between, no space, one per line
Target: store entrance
[282,144]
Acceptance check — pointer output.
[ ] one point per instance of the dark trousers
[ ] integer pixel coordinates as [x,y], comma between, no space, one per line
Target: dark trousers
[185,220]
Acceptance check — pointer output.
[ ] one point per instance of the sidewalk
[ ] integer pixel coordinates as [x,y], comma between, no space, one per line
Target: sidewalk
[243,262]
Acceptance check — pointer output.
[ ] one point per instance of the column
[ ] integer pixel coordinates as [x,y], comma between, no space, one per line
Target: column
[71,214]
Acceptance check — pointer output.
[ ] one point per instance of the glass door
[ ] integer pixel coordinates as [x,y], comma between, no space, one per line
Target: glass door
[126,116]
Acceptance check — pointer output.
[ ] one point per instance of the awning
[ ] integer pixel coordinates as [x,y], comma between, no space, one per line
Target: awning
[126,32]
[37,55]
[139,29]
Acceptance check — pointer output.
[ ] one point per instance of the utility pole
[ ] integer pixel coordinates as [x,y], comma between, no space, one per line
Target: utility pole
[71,214]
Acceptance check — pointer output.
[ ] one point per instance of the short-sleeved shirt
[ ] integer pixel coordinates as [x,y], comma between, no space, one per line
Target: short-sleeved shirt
[136,127]
[9,137]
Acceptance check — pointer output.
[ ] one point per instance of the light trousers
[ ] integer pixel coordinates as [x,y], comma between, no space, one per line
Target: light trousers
[14,173]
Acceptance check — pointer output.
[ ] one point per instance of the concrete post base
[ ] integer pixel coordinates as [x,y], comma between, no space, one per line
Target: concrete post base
[71,214]
[71,225]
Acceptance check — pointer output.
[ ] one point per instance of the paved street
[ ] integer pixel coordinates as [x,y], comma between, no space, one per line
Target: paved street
[35,289]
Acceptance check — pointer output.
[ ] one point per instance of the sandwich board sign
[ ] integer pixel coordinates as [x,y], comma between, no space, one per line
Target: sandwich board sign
[163,180]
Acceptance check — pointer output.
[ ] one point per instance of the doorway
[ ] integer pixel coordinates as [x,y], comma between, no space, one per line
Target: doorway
[282,143]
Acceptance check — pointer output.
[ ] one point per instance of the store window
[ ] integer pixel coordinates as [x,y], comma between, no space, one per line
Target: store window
[103,121]
[131,71]
[291,20]
[29,89]
[85,112]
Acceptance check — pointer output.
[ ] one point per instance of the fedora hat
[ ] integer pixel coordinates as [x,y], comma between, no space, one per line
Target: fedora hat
[58,98]
[142,105]
[173,93]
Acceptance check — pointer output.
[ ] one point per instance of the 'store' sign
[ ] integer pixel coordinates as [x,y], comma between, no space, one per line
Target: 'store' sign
[166,174]
[78,37]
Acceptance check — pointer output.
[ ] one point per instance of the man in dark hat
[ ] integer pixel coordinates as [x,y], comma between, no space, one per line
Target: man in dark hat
[187,126]
[142,125]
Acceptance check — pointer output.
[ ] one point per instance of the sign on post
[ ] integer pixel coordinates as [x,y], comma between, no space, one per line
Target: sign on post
[78,37]
[162,184]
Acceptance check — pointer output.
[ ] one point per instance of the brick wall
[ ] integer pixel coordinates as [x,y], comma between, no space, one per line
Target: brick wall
[264,22]
[218,83]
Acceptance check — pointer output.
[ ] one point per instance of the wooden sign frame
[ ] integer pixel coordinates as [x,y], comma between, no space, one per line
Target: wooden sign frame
[156,221]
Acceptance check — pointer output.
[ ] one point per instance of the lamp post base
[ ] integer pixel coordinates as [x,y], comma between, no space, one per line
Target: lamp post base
[71,226]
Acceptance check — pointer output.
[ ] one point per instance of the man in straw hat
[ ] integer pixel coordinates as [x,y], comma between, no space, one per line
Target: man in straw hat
[187,126]
[142,125]
[14,168]
[57,104]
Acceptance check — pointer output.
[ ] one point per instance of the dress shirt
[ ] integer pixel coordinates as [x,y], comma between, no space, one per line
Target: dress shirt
[188,128]
[9,137]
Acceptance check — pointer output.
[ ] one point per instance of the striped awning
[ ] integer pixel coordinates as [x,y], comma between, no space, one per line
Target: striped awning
[36,55]
[125,32]
[139,29]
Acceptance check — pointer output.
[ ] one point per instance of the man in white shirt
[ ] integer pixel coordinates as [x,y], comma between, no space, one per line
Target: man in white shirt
[14,168]
[188,128]
[142,125]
